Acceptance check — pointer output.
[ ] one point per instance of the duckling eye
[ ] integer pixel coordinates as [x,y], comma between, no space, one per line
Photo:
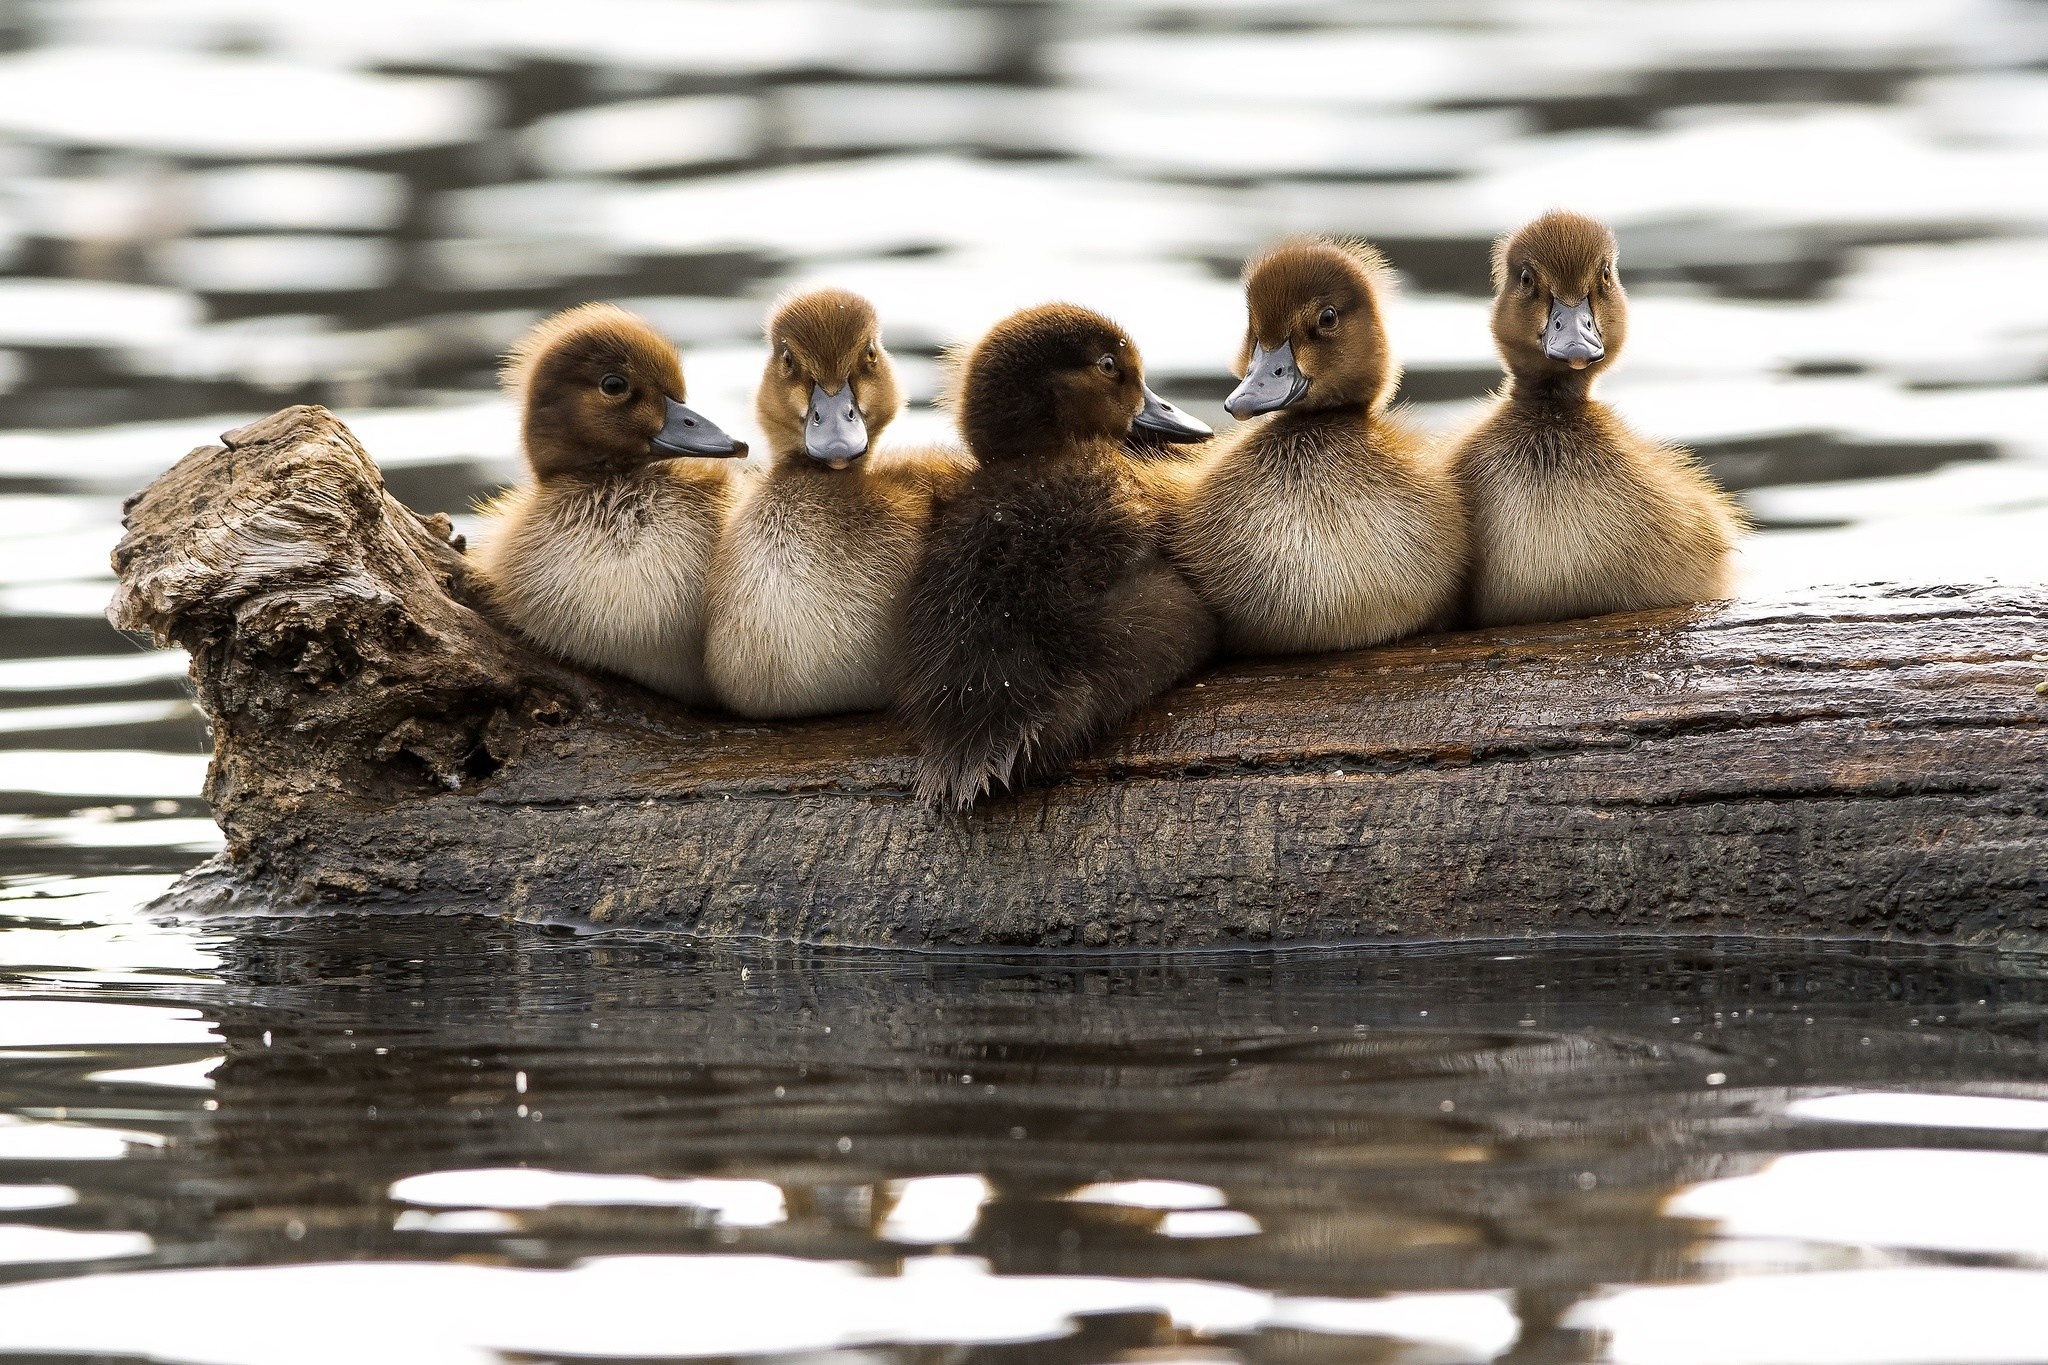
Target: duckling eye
[1107,365]
[1607,273]
[614,385]
[1328,319]
[871,353]
[1528,279]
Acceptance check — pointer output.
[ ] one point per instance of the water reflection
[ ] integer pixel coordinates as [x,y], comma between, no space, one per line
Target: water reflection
[1423,1155]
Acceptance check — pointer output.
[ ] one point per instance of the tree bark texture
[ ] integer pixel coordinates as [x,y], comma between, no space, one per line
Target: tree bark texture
[1850,762]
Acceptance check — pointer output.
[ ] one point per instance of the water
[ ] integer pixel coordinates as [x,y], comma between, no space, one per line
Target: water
[550,1146]
[484,1144]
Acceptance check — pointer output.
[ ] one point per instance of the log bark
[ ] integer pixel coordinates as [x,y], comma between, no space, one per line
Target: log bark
[1865,762]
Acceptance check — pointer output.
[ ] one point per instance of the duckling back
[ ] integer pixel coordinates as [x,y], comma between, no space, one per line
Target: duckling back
[1042,615]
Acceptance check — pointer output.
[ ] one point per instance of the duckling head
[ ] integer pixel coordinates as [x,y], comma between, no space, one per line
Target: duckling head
[1558,305]
[1315,339]
[829,388]
[1051,377]
[603,392]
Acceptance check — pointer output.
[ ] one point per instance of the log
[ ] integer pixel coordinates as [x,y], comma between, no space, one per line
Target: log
[1860,762]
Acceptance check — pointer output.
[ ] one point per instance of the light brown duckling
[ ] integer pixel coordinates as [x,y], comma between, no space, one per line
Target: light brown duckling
[1574,514]
[808,575]
[1043,611]
[1323,522]
[602,558]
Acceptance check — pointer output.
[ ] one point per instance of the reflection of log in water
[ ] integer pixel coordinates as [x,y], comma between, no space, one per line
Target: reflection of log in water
[1863,762]
[1377,1149]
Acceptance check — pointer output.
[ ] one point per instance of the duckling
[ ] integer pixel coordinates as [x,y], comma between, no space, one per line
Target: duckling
[1573,513]
[1323,522]
[602,558]
[1043,611]
[808,575]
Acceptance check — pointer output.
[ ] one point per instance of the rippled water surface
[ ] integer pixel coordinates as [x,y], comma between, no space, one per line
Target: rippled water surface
[312,1141]
[391,1140]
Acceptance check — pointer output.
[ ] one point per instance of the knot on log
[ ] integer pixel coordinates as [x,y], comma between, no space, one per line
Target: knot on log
[288,507]
[332,647]
[1865,761]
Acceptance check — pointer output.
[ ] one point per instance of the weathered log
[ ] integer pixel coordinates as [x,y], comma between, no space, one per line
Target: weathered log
[1858,762]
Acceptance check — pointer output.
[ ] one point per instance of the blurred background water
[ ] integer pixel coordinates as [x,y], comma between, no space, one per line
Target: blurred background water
[1834,226]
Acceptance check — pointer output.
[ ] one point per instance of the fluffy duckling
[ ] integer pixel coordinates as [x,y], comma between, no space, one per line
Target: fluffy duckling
[1574,514]
[1323,522]
[809,573]
[602,558]
[1043,613]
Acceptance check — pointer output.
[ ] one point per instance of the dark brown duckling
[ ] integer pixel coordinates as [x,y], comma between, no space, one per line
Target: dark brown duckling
[1043,611]
[1573,513]
[1324,521]
[602,558]
[808,576]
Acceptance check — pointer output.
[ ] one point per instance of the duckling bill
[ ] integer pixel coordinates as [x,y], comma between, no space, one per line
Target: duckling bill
[1573,512]
[810,571]
[1323,521]
[601,559]
[1043,612]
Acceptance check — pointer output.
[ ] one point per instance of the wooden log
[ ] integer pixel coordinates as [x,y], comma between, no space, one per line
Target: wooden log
[1855,762]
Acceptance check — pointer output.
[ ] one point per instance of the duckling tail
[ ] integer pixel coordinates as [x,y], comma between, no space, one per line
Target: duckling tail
[978,722]
[957,770]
